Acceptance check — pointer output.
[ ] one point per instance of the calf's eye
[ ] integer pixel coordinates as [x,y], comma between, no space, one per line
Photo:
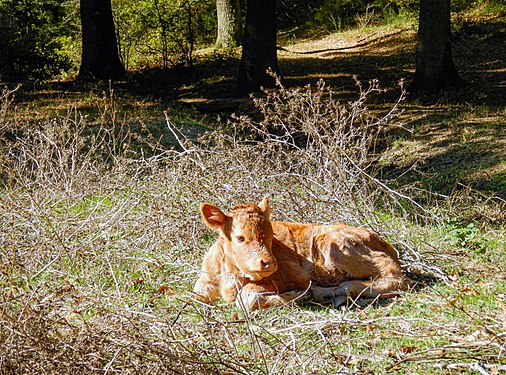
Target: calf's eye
[240,238]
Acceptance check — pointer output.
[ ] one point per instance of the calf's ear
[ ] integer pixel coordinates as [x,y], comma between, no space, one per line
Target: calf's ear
[265,207]
[213,216]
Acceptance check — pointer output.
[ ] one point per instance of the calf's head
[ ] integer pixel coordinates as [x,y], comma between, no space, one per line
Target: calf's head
[246,236]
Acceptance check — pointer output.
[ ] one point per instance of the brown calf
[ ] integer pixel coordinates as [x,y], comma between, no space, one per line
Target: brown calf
[261,263]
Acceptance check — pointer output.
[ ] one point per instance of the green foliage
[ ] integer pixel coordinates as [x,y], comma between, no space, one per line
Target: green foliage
[162,32]
[465,236]
[40,38]
[34,36]
[292,13]
[338,15]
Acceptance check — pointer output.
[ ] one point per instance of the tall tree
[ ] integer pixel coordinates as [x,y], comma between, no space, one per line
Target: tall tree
[435,68]
[100,57]
[229,23]
[259,46]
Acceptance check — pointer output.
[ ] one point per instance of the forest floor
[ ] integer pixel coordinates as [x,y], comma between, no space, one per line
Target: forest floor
[102,239]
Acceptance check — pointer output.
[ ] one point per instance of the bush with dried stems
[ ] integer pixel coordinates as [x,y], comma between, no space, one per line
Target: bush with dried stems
[101,239]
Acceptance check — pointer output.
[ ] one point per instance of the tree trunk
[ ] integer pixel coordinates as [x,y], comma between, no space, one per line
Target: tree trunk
[100,57]
[435,69]
[259,46]
[229,23]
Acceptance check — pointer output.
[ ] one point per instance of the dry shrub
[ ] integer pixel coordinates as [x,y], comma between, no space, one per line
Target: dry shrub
[100,245]
[326,150]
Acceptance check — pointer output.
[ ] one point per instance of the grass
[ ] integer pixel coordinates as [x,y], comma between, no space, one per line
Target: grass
[101,239]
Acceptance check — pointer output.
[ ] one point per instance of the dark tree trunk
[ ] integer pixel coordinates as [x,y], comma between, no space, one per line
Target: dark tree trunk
[229,23]
[435,69]
[259,46]
[100,57]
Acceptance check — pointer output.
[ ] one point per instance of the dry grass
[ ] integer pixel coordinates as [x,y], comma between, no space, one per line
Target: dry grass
[101,244]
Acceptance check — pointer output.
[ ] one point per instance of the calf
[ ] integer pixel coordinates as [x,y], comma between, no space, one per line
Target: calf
[259,263]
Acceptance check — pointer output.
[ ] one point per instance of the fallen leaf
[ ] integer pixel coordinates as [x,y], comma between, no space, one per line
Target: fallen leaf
[369,327]
[452,302]
[81,298]
[165,289]
[407,349]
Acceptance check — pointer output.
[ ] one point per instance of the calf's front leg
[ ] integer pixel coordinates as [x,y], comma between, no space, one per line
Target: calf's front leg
[253,297]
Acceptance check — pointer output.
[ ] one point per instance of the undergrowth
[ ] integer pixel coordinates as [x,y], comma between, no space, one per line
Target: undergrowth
[101,243]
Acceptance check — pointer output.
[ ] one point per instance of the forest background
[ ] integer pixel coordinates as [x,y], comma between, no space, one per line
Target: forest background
[101,180]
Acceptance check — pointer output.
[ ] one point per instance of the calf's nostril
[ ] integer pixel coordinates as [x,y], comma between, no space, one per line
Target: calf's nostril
[265,264]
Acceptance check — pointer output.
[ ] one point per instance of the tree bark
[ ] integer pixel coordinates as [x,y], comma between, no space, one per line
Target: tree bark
[100,57]
[435,68]
[229,23]
[259,46]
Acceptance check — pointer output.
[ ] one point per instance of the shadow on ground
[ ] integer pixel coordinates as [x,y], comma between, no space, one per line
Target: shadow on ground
[478,48]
